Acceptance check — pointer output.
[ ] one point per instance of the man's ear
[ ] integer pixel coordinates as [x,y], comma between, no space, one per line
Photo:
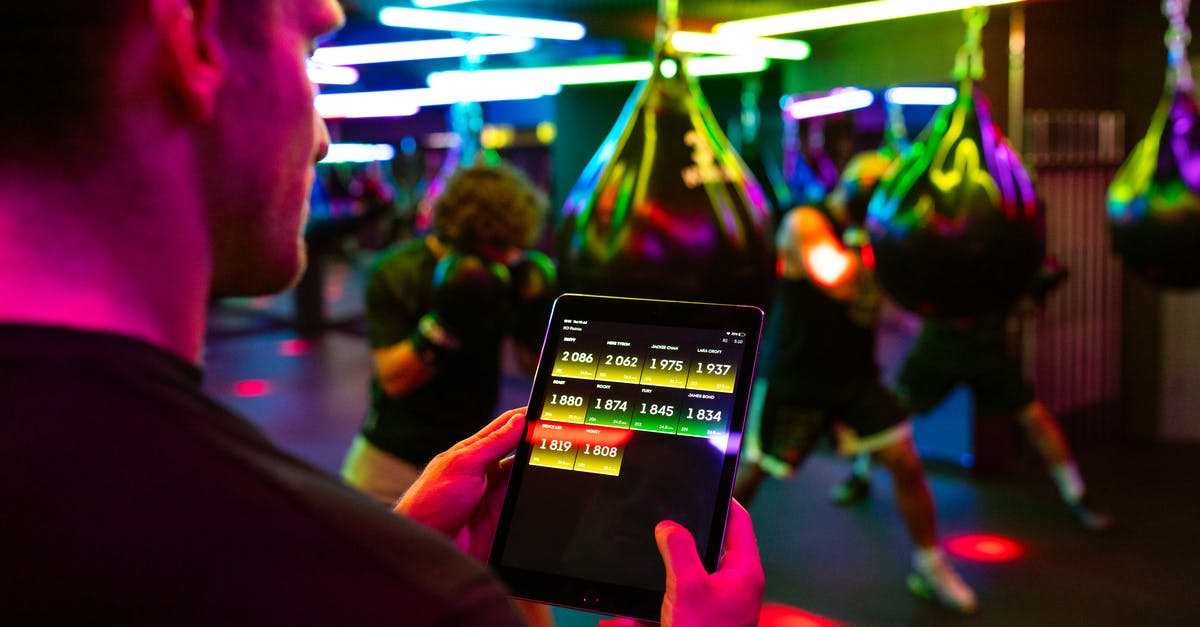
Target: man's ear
[194,58]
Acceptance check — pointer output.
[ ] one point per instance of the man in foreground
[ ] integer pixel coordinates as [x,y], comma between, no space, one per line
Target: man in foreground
[159,155]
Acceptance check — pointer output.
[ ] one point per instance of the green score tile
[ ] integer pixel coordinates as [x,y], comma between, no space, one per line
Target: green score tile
[566,400]
[655,423]
[607,411]
[665,370]
[600,459]
[715,377]
[579,363]
[619,367]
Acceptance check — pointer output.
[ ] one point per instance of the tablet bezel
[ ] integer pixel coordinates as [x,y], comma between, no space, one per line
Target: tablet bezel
[603,597]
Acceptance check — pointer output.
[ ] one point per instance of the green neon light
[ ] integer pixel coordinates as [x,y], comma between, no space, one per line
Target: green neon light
[845,15]
[708,43]
[591,74]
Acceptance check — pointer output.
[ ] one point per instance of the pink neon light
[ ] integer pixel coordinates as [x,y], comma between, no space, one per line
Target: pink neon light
[252,387]
[294,348]
[985,548]
[780,615]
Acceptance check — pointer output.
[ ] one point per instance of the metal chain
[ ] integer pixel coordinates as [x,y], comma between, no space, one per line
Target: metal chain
[668,19]
[968,63]
[1177,38]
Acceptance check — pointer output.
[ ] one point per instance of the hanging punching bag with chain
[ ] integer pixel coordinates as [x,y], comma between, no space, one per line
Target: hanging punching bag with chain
[956,227]
[666,208]
[1154,200]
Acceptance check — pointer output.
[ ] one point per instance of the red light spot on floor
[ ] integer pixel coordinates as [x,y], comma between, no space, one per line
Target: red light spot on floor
[293,348]
[780,615]
[985,548]
[252,387]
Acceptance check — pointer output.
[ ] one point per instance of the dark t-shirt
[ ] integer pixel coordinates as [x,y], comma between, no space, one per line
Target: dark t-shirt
[461,396]
[132,498]
[813,344]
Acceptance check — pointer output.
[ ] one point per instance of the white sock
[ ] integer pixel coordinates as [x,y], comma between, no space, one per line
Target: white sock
[1067,478]
[925,557]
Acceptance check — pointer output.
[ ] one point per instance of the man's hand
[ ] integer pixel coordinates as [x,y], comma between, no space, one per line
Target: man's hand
[461,491]
[731,597]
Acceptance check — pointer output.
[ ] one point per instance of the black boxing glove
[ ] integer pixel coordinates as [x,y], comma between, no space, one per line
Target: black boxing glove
[470,303]
[534,288]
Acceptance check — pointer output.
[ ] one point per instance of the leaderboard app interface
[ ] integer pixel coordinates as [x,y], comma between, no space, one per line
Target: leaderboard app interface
[610,379]
[633,429]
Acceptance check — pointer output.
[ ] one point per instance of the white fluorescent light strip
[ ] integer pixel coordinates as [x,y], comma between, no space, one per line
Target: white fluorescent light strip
[480,23]
[920,95]
[358,153]
[713,66]
[846,99]
[429,4]
[427,49]
[322,74]
[560,75]
[708,43]
[844,15]
[585,74]
[405,102]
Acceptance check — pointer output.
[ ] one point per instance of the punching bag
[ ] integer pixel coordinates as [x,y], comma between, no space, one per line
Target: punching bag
[760,147]
[858,181]
[863,172]
[1154,200]
[956,227]
[666,208]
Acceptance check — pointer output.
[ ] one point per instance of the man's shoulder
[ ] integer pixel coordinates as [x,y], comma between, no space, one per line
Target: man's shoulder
[405,254]
[134,486]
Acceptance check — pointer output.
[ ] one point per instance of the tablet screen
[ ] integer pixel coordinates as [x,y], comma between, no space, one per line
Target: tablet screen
[635,417]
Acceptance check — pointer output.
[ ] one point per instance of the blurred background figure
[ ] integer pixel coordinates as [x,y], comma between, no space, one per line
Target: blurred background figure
[818,376]
[437,310]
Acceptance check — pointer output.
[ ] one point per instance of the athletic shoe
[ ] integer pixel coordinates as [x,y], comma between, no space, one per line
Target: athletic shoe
[853,490]
[1086,514]
[937,581]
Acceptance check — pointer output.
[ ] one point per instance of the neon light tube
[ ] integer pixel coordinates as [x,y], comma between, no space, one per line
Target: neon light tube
[860,13]
[480,23]
[358,153]
[322,74]
[720,66]
[427,49]
[405,102]
[429,4]
[589,74]
[839,100]
[920,95]
[372,104]
[708,43]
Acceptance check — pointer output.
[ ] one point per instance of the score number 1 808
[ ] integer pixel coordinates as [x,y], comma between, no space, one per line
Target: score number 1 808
[563,446]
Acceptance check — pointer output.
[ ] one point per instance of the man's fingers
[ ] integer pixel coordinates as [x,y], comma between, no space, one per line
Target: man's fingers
[741,547]
[678,549]
[492,442]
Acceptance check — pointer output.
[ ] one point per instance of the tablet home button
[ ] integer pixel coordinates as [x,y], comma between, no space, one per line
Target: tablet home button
[590,598]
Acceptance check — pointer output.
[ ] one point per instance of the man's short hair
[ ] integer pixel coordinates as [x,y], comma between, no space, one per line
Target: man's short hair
[489,205]
[57,56]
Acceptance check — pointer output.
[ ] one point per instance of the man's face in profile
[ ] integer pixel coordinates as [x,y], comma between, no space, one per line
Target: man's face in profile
[266,137]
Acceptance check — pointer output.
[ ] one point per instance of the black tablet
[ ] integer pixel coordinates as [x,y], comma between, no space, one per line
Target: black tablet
[636,416]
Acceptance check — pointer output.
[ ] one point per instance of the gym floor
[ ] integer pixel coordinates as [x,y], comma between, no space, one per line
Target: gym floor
[825,565]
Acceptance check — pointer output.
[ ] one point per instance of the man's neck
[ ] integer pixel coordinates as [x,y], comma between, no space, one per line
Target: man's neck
[113,257]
